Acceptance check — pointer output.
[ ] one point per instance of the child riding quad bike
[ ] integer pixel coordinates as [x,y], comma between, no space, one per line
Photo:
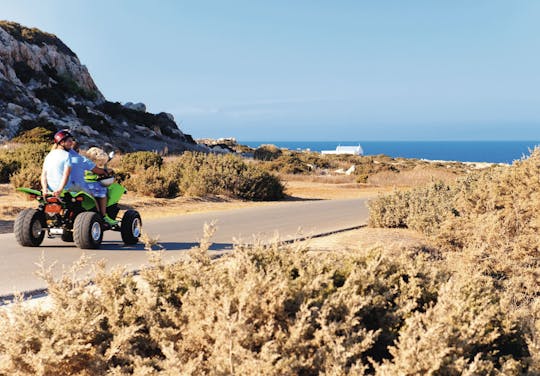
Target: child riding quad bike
[74,217]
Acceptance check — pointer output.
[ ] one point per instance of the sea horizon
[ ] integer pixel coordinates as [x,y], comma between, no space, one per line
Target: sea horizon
[492,151]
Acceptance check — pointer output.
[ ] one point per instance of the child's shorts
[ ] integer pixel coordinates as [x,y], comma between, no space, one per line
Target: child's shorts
[92,188]
[96,189]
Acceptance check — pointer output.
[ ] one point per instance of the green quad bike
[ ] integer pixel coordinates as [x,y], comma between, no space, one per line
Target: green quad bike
[74,217]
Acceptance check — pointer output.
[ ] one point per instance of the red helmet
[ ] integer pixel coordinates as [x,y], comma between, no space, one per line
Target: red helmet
[61,136]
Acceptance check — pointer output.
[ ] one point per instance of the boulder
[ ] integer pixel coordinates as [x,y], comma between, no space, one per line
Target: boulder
[141,107]
[15,109]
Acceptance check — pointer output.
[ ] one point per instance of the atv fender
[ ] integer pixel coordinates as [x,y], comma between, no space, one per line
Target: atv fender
[30,191]
[114,192]
[88,202]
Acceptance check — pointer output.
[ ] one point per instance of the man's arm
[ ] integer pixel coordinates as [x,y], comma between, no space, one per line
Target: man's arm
[44,182]
[100,171]
[65,177]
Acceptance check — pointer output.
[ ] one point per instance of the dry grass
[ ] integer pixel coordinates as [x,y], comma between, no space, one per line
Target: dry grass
[420,175]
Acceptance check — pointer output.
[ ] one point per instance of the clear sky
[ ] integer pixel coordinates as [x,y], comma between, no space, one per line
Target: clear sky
[312,70]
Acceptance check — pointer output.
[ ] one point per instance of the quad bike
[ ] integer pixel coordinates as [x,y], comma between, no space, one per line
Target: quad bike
[74,217]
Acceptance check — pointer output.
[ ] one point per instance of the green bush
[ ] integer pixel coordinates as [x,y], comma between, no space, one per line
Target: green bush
[257,185]
[152,182]
[7,168]
[267,153]
[36,135]
[27,177]
[18,157]
[198,174]
[140,160]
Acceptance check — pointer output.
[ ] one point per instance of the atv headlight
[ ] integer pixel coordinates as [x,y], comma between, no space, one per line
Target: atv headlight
[106,181]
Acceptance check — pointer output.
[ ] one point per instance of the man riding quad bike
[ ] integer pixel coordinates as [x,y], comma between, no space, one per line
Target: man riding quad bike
[74,217]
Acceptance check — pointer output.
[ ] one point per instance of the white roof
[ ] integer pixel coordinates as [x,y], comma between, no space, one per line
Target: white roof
[357,150]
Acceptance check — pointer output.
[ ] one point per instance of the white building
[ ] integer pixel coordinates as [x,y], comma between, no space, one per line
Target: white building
[354,150]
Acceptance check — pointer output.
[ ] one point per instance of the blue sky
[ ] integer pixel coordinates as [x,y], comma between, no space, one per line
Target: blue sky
[312,70]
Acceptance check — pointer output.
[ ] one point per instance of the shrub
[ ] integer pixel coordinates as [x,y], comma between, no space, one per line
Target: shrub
[7,168]
[423,209]
[140,160]
[275,308]
[467,332]
[227,175]
[489,219]
[27,177]
[267,152]
[17,157]
[197,174]
[36,135]
[153,183]
[258,185]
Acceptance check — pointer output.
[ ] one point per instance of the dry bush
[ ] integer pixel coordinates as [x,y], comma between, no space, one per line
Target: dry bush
[488,226]
[422,208]
[15,157]
[497,227]
[140,160]
[27,177]
[468,332]
[226,175]
[152,182]
[419,175]
[269,309]
[267,152]
[197,174]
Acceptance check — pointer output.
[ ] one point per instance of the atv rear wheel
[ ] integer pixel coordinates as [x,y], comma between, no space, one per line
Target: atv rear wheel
[29,228]
[87,230]
[131,227]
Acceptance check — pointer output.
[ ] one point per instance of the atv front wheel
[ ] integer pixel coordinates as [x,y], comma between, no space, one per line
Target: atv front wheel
[87,230]
[131,227]
[29,228]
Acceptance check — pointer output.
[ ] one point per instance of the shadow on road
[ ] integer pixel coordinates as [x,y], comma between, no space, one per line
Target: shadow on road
[166,246]
[294,198]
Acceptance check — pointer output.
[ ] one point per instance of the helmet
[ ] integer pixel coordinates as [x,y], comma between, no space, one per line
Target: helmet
[61,136]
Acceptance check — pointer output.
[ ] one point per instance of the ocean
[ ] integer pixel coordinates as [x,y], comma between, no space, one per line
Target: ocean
[463,151]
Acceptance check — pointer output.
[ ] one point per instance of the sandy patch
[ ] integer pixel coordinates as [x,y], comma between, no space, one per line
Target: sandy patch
[367,238]
[318,190]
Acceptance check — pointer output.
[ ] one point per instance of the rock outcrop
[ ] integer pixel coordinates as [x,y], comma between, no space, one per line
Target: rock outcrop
[43,84]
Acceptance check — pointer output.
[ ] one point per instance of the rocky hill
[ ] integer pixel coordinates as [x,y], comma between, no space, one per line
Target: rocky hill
[43,84]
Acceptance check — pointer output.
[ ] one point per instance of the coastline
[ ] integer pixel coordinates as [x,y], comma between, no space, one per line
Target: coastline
[459,151]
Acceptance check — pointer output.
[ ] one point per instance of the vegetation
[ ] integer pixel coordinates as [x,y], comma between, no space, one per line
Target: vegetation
[466,304]
[377,170]
[267,152]
[18,163]
[197,174]
[486,224]
[278,309]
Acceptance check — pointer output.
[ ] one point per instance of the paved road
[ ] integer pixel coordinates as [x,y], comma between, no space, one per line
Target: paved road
[289,220]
